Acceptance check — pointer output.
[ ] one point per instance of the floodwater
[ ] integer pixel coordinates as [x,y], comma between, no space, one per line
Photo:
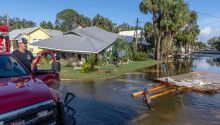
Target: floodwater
[109,102]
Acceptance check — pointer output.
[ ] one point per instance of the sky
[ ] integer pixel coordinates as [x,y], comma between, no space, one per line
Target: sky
[118,11]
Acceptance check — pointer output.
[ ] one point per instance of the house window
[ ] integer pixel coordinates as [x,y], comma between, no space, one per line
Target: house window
[35,40]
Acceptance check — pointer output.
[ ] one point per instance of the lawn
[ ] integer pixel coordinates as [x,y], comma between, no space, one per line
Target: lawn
[106,71]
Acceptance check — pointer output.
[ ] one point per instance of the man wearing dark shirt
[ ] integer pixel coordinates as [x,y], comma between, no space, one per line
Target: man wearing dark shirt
[23,55]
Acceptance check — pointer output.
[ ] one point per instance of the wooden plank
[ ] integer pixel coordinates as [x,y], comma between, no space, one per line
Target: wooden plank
[149,90]
[157,88]
[165,93]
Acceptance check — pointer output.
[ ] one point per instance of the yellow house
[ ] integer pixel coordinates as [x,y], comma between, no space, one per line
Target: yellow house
[33,34]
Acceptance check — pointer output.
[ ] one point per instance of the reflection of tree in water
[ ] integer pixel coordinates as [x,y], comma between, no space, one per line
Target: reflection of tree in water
[213,61]
[180,66]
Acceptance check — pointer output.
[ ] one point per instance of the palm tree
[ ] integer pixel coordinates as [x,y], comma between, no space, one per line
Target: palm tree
[175,15]
[189,35]
[152,6]
[170,19]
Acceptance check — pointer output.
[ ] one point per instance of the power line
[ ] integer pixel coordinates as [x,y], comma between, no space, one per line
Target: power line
[207,14]
[210,23]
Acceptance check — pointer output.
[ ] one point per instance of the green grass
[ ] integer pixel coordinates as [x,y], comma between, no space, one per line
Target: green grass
[105,71]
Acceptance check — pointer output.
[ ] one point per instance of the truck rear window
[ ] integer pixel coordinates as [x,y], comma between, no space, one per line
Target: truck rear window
[10,67]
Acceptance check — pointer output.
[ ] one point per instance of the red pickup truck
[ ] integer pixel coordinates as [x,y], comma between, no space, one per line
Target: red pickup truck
[29,97]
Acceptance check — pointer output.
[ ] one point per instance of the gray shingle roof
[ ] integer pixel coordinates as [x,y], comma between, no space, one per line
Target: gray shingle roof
[86,40]
[15,33]
[53,32]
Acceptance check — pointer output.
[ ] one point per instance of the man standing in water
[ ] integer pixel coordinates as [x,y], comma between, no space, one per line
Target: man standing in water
[23,55]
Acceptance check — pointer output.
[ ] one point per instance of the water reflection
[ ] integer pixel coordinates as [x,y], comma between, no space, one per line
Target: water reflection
[109,102]
[180,66]
[214,62]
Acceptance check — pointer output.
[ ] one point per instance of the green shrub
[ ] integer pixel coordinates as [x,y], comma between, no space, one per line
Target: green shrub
[139,56]
[101,62]
[89,65]
[85,68]
[71,62]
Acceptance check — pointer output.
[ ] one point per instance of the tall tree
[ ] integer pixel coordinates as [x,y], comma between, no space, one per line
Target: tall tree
[152,6]
[17,23]
[50,25]
[125,27]
[201,45]
[175,16]
[83,21]
[43,24]
[212,42]
[103,23]
[169,17]
[46,25]
[189,34]
[148,34]
[67,20]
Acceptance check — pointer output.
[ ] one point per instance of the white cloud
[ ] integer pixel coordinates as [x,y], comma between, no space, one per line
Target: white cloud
[209,27]
[207,33]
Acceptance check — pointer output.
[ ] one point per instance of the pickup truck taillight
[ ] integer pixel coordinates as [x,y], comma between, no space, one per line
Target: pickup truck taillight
[37,114]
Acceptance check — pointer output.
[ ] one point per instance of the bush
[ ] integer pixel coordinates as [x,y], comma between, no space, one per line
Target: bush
[85,68]
[71,62]
[101,62]
[139,56]
[89,65]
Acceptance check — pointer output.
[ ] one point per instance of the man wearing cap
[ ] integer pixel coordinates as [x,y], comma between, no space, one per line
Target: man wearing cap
[23,55]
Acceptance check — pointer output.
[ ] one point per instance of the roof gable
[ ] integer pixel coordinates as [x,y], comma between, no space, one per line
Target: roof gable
[16,33]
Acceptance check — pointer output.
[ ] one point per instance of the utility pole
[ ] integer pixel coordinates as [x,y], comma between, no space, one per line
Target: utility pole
[136,35]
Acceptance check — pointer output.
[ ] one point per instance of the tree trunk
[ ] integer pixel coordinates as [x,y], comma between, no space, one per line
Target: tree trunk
[170,44]
[169,47]
[181,45]
[157,51]
[185,48]
[161,49]
[158,71]
[156,56]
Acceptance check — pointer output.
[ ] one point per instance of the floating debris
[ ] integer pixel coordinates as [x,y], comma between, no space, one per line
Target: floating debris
[198,81]
[203,82]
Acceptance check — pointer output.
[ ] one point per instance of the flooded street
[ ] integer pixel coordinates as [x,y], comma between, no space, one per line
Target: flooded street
[109,102]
